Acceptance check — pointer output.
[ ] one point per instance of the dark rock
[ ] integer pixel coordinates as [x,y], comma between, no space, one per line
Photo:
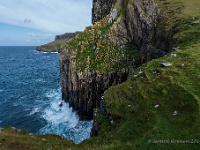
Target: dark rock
[101,8]
[103,109]
[138,26]
[96,125]
[83,92]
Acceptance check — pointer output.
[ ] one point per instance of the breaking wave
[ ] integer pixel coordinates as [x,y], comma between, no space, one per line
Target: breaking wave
[61,119]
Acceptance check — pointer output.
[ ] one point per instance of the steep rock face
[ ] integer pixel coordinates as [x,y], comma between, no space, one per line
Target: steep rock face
[143,25]
[107,52]
[101,8]
[84,91]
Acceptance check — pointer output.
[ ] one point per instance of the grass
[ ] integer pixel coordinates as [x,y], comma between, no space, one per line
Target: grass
[171,89]
[52,46]
[156,108]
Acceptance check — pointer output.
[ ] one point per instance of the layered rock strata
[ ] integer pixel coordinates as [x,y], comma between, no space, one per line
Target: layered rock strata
[127,34]
[101,8]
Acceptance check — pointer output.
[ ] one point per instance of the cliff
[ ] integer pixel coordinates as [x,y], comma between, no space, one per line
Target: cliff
[128,34]
[55,45]
[101,8]
[157,107]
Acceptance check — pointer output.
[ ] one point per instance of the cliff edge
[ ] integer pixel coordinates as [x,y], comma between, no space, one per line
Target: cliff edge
[123,37]
[157,107]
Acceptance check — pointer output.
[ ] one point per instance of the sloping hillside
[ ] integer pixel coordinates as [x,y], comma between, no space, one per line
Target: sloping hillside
[156,108]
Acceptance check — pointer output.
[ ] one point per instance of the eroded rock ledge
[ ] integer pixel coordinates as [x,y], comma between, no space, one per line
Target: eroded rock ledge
[124,36]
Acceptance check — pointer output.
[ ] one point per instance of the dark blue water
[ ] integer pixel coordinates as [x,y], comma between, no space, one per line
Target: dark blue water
[30,95]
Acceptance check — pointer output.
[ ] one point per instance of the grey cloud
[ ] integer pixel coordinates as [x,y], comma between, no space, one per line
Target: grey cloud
[28,21]
[56,16]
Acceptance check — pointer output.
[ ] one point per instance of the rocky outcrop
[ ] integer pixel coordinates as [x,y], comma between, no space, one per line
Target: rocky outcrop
[66,36]
[101,8]
[84,92]
[50,47]
[55,45]
[127,34]
[143,23]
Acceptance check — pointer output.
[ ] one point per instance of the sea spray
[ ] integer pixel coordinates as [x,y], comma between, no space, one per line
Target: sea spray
[28,96]
[61,119]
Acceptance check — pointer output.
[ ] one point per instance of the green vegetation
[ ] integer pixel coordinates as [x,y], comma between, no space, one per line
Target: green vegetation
[156,108]
[160,104]
[52,46]
[96,49]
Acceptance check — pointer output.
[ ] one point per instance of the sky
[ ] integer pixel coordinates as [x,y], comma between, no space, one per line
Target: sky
[37,22]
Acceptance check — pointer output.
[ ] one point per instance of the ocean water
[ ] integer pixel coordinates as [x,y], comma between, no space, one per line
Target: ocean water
[30,95]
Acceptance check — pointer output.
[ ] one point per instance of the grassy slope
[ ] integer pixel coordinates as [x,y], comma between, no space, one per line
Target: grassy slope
[53,46]
[132,104]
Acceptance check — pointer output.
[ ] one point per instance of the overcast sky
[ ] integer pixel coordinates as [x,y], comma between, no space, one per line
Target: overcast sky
[36,22]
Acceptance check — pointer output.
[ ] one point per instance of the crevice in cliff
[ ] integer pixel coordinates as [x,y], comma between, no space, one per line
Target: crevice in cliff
[105,54]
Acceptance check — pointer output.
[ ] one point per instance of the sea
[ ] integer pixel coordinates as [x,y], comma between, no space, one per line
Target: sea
[30,95]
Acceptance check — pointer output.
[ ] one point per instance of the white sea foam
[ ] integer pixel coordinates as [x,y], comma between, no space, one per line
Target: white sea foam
[50,52]
[40,80]
[35,110]
[62,120]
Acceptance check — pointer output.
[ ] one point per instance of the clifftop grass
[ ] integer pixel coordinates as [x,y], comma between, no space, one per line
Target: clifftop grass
[161,103]
[99,48]
[156,108]
[52,46]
